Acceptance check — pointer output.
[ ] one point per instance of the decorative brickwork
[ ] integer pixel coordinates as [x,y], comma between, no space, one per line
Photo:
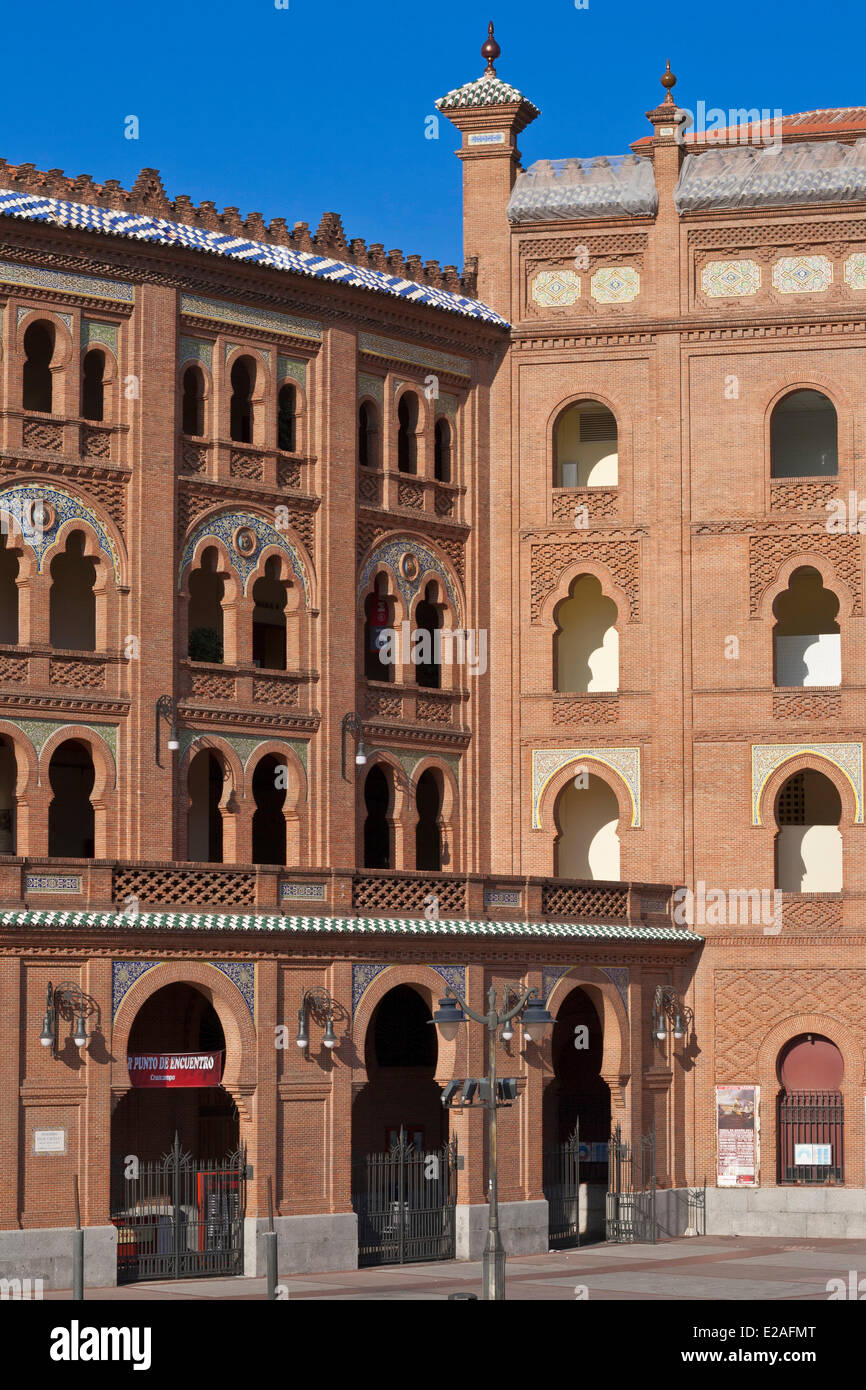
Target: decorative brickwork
[383,706]
[96,443]
[550,561]
[769,550]
[591,710]
[410,495]
[808,914]
[801,497]
[368,487]
[285,693]
[207,685]
[601,503]
[13,668]
[90,674]
[742,996]
[185,887]
[807,704]
[408,895]
[41,434]
[288,473]
[194,457]
[244,465]
[430,710]
[566,901]
[445,502]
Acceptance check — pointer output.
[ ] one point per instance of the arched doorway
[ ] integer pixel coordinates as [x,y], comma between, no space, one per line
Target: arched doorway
[403,1169]
[576,1124]
[809,846]
[269,821]
[587,820]
[811,1120]
[71,822]
[178,1173]
[205,828]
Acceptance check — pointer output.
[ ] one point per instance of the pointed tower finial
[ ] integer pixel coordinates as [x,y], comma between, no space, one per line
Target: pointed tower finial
[490,50]
[668,81]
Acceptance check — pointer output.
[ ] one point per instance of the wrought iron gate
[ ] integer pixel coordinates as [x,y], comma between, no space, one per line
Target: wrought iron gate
[179,1217]
[561,1186]
[811,1134]
[406,1203]
[631,1196]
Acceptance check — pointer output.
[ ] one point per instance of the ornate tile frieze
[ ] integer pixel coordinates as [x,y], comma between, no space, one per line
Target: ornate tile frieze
[547,762]
[291,368]
[39,731]
[38,278]
[244,745]
[58,508]
[409,561]
[52,883]
[25,309]
[767,757]
[730,279]
[615,284]
[802,274]
[266,320]
[374,345]
[194,350]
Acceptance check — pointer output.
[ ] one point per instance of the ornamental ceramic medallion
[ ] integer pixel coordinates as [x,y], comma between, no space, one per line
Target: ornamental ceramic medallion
[802,274]
[730,279]
[855,271]
[617,284]
[556,289]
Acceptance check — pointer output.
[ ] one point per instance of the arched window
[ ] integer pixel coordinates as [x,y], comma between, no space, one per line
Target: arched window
[587,817]
[8,781]
[70,813]
[92,385]
[206,589]
[811,1112]
[586,643]
[37,380]
[806,639]
[407,441]
[368,435]
[9,565]
[428,618]
[803,432]
[269,618]
[72,602]
[809,841]
[377,832]
[241,409]
[442,451]
[585,447]
[269,821]
[378,633]
[193,402]
[400,1052]
[287,409]
[207,774]
[428,833]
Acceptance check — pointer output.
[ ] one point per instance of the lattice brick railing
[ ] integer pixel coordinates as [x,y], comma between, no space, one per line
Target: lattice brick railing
[408,896]
[566,901]
[185,887]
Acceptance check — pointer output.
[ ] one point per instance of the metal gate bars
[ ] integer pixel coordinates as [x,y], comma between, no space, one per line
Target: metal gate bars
[811,1134]
[561,1187]
[406,1204]
[178,1218]
[631,1197]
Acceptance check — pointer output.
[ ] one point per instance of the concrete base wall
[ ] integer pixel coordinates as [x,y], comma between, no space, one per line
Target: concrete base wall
[819,1212]
[305,1244]
[47,1255]
[523,1226]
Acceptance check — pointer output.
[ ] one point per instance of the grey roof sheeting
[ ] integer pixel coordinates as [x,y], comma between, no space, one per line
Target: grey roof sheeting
[338,926]
[814,171]
[558,190]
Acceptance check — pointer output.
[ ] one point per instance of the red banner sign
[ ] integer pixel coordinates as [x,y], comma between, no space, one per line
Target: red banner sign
[175,1068]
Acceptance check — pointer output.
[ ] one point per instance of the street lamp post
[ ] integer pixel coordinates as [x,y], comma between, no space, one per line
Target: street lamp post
[670,1011]
[535,1019]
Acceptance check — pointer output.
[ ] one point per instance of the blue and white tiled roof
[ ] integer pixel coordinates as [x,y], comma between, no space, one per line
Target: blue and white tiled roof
[139,227]
[338,926]
[487,90]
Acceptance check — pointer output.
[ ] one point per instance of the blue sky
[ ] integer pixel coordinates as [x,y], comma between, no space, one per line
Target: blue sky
[322,106]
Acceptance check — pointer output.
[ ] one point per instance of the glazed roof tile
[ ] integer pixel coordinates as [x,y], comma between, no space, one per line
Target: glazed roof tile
[139,227]
[487,90]
[338,926]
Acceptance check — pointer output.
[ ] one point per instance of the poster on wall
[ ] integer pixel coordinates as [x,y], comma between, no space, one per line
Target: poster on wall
[175,1068]
[737,1131]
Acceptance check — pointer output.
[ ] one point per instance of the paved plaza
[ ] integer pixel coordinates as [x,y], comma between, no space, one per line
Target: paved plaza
[718,1268]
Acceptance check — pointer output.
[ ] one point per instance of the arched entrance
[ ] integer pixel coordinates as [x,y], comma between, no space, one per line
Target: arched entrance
[178,1173]
[404,1171]
[576,1124]
[811,1120]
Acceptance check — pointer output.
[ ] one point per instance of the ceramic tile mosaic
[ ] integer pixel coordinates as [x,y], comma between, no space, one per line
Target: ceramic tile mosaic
[730,279]
[304,891]
[104,333]
[376,346]
[855,271]
[25,309]
[124,974]
[37,278]
[242,974]
[373,386]
[615,285]
[224,527]
[556,289]
[486,90]
[767,757]
[39,731]
[17,502]
[802,274]
[194,350]
[547,762]
[52,883]
[392,552]
[291,368]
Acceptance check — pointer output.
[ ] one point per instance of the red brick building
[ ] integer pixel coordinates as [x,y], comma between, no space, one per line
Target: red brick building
[371,629]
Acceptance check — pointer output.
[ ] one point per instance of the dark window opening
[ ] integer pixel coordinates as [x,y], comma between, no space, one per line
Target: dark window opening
[428,833]
[70,814]
[269,618]
[407,441]
[377,832]
[442,452]
[803,437]
[93,386]
[193,402]
[286,419]
[37,378]
[269,822]
[241,408]
[71,601]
